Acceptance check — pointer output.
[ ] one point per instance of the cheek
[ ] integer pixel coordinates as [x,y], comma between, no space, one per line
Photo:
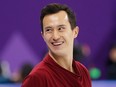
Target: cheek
[46,38]
[68,35]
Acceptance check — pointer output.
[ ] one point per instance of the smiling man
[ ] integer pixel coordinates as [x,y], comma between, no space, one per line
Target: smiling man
[58,68]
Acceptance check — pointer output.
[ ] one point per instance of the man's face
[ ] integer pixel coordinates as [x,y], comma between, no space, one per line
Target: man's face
[57,33]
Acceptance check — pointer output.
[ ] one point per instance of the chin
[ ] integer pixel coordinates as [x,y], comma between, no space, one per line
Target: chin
[59,53]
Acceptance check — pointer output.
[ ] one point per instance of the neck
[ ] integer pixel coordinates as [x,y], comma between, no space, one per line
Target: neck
[65,62]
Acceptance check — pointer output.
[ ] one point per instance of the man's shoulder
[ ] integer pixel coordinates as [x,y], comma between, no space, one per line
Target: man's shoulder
[39,72]
[37,77]
[79,64]
[40,68]
[81,67]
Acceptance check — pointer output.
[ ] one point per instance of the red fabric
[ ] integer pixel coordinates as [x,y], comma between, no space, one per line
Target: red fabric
[49,74]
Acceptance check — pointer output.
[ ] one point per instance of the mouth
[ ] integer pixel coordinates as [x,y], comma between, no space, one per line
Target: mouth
[57,43]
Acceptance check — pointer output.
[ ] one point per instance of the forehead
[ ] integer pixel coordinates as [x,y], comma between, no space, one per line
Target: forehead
[60,17]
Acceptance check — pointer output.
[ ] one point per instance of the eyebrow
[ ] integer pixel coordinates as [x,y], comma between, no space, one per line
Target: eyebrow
[62,25]
[48,27]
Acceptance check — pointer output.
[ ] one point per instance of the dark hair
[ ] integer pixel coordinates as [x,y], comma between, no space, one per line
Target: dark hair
[54,8]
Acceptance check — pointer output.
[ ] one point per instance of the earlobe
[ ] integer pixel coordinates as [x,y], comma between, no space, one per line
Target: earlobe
[42,34]
[76,31]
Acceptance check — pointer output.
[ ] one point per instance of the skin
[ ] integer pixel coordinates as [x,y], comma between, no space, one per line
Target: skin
[59,37]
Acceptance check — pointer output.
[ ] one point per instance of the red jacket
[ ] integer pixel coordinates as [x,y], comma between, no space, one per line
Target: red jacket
[49,74]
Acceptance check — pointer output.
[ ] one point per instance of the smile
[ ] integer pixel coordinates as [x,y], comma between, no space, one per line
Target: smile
[57,43]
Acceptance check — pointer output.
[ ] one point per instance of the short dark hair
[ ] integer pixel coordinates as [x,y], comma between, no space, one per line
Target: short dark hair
[54,8]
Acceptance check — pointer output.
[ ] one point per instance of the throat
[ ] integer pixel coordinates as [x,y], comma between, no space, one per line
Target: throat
[67,66]
[64,62]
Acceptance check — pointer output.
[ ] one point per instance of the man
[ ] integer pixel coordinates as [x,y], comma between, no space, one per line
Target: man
[58,69]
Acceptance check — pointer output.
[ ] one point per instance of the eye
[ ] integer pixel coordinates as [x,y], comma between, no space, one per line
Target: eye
[61,28]
[48,30]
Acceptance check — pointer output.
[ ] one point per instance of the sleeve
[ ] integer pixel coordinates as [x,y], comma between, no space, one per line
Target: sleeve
[35,80]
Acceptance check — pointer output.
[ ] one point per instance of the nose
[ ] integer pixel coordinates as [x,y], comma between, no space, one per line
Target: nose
[56,35]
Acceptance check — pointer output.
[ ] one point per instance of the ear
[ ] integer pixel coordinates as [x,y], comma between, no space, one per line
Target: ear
[76,31]
[42,34]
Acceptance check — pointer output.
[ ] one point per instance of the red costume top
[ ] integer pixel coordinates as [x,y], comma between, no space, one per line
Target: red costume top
[49,74]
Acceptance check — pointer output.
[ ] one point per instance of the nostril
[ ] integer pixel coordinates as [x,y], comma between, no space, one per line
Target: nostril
[55,39]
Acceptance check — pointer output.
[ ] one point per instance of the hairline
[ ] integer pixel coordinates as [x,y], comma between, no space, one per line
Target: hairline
[56,13]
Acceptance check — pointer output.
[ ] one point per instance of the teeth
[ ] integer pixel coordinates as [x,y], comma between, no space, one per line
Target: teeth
[57,43]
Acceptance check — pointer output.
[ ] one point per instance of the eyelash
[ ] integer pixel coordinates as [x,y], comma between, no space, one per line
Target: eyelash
[48,29]
[61,28]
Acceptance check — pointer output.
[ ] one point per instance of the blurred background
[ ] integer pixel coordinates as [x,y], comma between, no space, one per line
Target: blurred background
[22,47]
